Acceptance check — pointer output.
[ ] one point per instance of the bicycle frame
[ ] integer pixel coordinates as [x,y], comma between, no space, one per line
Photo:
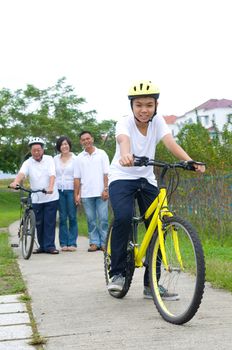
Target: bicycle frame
[158,209]
[174,274]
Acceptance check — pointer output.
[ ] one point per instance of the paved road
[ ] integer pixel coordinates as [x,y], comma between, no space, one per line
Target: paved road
[73,309]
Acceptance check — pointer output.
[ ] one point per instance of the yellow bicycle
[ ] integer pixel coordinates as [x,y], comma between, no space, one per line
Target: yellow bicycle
[176,258]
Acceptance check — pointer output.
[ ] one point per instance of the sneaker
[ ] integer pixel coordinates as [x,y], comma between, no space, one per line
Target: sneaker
[116,283]
[147,293]
[165,295]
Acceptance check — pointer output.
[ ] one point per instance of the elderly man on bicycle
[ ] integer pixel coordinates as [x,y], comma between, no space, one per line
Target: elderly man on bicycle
[40,169]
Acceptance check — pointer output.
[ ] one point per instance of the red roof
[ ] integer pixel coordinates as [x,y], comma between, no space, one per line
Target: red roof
[170,119]
[212,128]
[214,103]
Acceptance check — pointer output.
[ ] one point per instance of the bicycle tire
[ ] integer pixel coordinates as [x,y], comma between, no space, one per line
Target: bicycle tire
[187,281]
[28,234]
[130,266]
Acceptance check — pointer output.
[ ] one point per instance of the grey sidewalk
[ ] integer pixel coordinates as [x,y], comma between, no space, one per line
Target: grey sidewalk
[73,309]
[15,328]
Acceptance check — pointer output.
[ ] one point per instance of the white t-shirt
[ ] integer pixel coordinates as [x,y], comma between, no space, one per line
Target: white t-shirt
[39,175]
[64,173]
[140,146]
[90,169]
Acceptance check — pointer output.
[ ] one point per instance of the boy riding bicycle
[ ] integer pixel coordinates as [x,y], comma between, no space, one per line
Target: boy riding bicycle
[136,134]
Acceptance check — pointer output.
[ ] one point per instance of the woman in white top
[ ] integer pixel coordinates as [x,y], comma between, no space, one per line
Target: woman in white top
[64,162]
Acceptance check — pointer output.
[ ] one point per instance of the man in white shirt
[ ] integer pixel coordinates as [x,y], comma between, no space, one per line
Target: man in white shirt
[40,169]
[91,187]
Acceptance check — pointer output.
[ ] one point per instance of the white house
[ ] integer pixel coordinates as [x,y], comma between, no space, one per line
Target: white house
[213,112]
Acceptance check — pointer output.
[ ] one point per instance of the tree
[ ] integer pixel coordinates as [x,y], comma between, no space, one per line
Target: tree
[196,141]
[216,152]
[225,150]
[47,113]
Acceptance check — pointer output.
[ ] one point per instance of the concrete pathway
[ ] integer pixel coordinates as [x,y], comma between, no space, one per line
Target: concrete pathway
[73,309]
[15,328]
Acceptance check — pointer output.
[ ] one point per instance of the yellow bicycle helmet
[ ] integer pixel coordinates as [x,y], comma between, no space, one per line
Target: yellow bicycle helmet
[143,88]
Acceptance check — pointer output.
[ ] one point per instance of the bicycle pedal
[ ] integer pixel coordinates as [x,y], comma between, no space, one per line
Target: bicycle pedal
[14,245]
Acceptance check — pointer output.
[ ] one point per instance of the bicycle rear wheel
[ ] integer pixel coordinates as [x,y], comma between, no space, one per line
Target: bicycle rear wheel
[130,266]
[28,234]
[185,278]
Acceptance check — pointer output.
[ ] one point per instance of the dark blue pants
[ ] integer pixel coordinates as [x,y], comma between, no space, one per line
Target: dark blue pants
[45,214]
[122,194]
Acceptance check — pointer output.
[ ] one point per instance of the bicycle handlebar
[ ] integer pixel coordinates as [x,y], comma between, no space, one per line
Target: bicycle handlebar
[186,165]
[19,187]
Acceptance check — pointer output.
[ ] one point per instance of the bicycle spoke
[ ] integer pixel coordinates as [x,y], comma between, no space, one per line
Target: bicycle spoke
[28,234]
[129,267]
[178,291]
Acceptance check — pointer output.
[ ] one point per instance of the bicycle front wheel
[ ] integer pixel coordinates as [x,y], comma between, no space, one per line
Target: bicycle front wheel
[28,234]
[130,266]
[178,290]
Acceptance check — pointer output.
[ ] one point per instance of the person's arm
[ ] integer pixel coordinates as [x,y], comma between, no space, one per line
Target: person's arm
[127,158]
[105,193]
[51,184]
[18,180]
[77,191]
[178,151]
[174,148]
[50,162]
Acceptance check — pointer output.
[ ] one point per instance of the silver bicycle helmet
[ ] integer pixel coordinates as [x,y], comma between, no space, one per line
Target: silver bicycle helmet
[36,140]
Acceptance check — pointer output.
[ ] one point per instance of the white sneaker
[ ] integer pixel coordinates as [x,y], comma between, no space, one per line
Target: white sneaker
[116,283]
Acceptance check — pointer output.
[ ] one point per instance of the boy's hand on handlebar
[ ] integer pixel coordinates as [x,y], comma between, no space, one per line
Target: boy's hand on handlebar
[195,166]
[127,160]
[199,168]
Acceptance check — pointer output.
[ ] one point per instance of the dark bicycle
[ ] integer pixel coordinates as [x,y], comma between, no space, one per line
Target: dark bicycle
[26,231]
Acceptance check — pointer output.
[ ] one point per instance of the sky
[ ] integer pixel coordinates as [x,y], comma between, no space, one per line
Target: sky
[103,46]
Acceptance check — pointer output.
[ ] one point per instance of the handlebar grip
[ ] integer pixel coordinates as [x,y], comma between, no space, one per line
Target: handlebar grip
[189,165]
[17,187]
[140,161]
[137,162]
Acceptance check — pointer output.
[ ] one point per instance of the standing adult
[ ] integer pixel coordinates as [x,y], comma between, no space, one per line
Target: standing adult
[91,188]
[40,169]
[64,163]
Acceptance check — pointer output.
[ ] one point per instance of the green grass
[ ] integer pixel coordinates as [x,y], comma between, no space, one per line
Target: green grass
[9,207]
[11,281]
[82,222]
[218,264]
